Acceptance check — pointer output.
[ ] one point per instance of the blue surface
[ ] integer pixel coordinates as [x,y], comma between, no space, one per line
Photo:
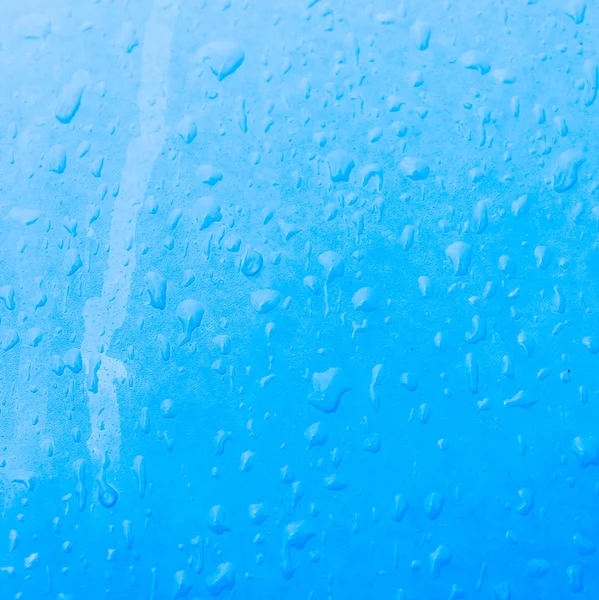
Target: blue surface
[299,299]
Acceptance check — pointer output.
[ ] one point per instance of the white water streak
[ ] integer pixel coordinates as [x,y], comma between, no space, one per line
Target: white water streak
[104,315]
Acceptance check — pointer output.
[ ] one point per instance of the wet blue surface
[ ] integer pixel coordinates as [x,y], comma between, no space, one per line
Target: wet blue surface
[298,299]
